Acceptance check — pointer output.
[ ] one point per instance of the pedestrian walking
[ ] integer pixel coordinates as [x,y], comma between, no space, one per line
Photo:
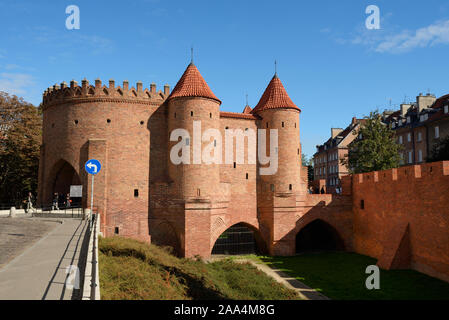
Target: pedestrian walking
[30,202]
[55,202]
[67,201]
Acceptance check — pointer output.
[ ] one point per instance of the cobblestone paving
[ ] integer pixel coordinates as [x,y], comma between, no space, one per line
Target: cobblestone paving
[17,234]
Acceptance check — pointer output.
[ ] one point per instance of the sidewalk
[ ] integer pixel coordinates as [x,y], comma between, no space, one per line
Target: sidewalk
[39,273]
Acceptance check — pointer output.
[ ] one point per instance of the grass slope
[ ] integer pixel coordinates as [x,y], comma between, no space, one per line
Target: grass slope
[341,275]
[133,270]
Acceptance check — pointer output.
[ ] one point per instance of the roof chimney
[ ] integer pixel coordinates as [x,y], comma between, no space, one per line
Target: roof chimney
[404,108]
[335,132]
[425,102]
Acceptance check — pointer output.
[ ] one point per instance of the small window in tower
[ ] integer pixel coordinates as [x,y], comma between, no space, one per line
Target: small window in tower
[295,124]
[298,150]
[191,113]
[247,176]
[210,115]
[267,124]
[116,231]
[52,125]
[290,187]
[175,115]
[362,204]
[282,124]
[141,123]
[246,129]
[136,193]
[227,128]
[234,165]
[76,121]
[108,121]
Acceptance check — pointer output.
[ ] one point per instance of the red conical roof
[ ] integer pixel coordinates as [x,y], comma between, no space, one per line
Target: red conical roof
[192,84]
[274,97]
[247,109]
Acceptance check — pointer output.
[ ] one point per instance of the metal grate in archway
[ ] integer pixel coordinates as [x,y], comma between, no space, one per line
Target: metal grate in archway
[238,239]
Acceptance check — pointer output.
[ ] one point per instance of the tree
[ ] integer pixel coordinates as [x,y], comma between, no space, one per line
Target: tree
[20,139]
[440,150]
[306,162]
[374,149]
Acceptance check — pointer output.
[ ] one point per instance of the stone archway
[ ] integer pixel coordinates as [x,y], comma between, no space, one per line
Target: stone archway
[318,235]
[240,238]
[62,176]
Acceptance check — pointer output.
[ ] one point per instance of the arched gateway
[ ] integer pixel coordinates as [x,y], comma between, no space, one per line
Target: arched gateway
[318,236]
[238,239]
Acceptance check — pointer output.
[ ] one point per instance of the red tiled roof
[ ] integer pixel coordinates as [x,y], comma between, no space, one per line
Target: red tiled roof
[439,102]
[238,115]
[192,84]
[274,97]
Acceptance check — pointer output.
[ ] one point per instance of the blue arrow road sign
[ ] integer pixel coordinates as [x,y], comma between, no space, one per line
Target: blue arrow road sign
[92,166]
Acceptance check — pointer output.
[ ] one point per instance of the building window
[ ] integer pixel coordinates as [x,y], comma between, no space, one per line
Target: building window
[290,187]
[409,157]
[210,115]
[409,137]
[393,125]
[191,113]
[234,165]
[282,124]
[419,155]
[267,124]
[187,141]
[116,231]
[419,136]
[446,109]
[136,193]
[408,119]
[400,140]
[141,123]
[362,204]
[437,132]
[108,121]
[246,176]
[76,121]
[175,115]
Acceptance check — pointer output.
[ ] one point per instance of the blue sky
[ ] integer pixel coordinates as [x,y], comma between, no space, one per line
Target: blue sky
[331,65]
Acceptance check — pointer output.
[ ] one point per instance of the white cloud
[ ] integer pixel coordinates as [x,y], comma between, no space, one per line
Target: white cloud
[437,33]
[16,83]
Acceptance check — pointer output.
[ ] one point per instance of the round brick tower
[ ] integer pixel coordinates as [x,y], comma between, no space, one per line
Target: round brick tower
[278,112]
[111,124]
[193,107]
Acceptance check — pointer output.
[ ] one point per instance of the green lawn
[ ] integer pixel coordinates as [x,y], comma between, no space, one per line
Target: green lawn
[132,270]
[341,276]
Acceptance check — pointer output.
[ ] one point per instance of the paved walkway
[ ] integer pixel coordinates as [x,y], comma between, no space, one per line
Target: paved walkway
[18,234]
[305,292]
[39,273]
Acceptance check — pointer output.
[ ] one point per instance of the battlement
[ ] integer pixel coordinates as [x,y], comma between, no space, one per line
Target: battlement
[421,171]
[64,93]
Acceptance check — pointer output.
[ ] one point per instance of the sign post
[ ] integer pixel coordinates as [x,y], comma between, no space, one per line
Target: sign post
[92,167]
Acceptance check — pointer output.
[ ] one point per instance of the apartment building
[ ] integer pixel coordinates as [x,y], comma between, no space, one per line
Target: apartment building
[327,160]
[419,126]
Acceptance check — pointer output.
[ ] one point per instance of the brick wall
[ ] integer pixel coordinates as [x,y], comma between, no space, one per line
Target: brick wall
[404,221]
